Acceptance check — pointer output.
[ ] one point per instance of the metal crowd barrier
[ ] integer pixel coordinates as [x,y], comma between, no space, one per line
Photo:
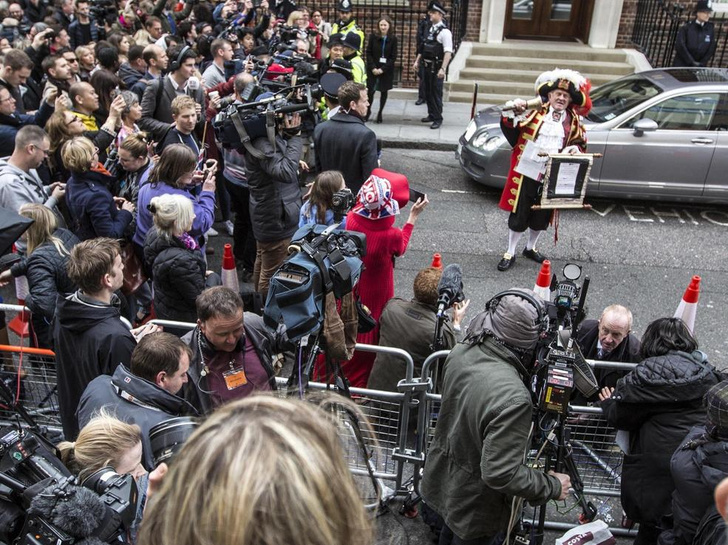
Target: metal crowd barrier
[403,422]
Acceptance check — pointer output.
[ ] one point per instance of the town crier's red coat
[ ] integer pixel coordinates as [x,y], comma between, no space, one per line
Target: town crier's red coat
[528,130]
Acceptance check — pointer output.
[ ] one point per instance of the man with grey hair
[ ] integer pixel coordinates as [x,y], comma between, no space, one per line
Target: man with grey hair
[475,465]
[608,339]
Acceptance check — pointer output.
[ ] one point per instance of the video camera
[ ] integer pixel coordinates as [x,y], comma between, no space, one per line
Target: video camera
[242,123]
[560,366]
[325,259]
[41,503]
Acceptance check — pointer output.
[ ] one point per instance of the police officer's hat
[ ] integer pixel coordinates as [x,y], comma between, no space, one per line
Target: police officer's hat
[330,83]
[704,5]
[336,39]
[436,6]
[344,6]
[343,67]
[352,40]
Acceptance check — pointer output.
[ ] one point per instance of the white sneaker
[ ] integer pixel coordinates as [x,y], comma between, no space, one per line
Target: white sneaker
[229,227]
[212,233]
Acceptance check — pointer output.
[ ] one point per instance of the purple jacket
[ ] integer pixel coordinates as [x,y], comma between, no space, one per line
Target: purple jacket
[203,205]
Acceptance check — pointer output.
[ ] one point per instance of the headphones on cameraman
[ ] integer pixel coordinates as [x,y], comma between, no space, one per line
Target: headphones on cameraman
[175,64]
[543,320]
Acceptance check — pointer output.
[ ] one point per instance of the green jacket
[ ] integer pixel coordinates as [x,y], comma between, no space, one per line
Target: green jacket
[475,463]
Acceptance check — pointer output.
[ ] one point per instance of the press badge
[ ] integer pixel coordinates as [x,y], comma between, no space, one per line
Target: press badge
[235,378]
[383,60]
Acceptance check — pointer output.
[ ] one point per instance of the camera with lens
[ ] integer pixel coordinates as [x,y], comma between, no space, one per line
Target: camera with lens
[239,124]
[168,437]
[40,502]
[561,367]
[341,203]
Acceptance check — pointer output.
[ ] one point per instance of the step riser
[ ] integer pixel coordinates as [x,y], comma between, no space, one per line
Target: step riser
[565,55]
[476,74]
[541,65]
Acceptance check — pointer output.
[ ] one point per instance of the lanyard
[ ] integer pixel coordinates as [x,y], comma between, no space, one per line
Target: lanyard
[384,44]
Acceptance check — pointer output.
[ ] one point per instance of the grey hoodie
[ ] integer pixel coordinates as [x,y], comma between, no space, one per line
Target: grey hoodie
[18,187]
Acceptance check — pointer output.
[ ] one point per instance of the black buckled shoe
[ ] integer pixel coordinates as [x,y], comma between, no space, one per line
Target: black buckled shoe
[534,255]
[507,262]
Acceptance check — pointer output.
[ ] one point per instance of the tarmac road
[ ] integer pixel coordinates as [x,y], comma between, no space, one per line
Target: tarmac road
[639,254]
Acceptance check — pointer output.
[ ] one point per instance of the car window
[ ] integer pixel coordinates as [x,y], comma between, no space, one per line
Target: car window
[720,119]
[616,97]
[682,113]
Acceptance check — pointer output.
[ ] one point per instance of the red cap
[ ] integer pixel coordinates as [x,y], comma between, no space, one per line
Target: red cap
[693,291]
[436,261]
[228,261]
[543,280]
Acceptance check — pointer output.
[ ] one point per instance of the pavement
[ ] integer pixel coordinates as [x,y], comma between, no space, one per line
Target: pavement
[402,128]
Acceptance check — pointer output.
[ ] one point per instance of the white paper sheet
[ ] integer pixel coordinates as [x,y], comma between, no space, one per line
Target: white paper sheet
[566,178]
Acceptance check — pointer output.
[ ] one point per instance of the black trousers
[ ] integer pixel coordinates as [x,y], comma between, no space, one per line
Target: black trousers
[525,218]
[433,91]
[244,248]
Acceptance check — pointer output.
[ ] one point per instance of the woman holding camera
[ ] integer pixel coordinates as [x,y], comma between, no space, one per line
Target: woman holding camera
[658,403]
[95,212]
[381,56]
[176,174]
[178,267]
[318,208]
[106,442]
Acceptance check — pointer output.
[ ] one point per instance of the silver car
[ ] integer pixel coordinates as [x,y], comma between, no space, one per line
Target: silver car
[663,135]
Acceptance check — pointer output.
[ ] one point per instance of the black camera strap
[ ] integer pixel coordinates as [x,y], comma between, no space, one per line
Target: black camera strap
[245,137]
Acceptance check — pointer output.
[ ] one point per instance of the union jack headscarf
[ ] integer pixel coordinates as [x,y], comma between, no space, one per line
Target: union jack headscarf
[374,200]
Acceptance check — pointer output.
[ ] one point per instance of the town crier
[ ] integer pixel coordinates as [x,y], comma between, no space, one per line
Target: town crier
[554,126]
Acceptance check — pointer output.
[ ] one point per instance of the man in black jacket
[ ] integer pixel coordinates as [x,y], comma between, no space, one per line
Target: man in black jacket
[157,103]
[89,337]
[344,142]
[233,352]
[146,393]
[609,339]
[275,196]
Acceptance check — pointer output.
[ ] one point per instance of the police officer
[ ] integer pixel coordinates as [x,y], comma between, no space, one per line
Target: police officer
[435,53]
[695,43]
[347,23]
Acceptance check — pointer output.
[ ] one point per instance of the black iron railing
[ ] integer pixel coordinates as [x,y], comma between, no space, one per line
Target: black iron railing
[656,25]
[406,15]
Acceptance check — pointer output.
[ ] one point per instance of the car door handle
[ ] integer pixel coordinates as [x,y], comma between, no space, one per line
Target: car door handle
[702,140]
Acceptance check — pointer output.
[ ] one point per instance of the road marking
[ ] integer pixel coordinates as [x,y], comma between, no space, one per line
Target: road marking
[643,214]
[462,192]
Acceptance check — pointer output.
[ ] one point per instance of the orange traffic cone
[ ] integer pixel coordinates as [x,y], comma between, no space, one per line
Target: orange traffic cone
[20,325]
[229,273]
[543,281]
[436,262]
[688,307]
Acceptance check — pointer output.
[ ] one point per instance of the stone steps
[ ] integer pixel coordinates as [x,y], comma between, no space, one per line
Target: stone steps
[508,70]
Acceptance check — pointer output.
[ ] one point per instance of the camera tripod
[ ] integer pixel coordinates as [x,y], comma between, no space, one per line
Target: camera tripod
[558,456]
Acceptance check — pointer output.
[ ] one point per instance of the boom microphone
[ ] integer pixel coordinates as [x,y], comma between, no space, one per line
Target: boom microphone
[530,104]
[450,288]
[79,512]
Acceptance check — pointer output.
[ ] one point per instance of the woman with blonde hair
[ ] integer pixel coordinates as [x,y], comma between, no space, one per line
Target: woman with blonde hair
[47,251]
[94,210]
[259,470]
[64,125]
[175,260]
[107,441]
